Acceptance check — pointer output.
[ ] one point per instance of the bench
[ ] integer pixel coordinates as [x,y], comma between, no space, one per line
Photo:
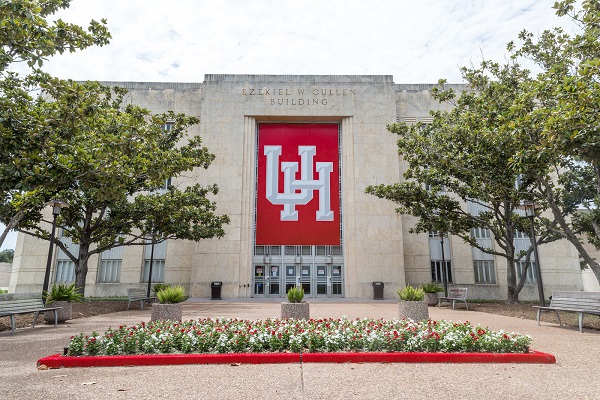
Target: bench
[139,295]
[12,304]
[454,295]
[575,302]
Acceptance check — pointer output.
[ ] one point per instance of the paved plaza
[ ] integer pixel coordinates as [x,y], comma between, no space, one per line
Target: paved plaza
[575,375]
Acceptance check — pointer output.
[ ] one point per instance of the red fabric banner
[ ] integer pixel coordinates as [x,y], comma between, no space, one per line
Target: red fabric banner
[298,185]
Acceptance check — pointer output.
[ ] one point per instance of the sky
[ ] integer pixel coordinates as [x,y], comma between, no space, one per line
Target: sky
[416,41]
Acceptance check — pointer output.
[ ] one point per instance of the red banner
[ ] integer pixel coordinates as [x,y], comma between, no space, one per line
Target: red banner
[298,185]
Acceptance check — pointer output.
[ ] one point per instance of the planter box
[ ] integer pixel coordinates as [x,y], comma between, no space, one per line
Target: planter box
[295,310]
[415,310]
[431,299]
[161,312]
[64,314]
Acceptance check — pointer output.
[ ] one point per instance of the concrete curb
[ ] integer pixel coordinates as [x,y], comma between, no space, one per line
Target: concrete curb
[59,361]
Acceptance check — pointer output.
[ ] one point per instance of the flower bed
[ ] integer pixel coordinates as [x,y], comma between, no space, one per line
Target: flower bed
[298,336]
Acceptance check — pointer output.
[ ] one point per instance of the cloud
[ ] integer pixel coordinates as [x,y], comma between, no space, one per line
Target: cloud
[416,41]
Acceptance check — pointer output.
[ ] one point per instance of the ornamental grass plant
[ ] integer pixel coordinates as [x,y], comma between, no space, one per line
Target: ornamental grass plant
[410,293]
[171,294]
[295,294]
[224,335]
[63,292]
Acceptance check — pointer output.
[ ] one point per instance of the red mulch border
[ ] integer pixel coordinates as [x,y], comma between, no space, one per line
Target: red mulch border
[60,361]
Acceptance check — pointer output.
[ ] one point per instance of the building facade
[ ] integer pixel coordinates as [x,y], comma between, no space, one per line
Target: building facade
[294,154]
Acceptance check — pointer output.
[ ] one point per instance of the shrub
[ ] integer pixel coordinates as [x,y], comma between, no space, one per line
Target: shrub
[171,294]
[432,288]
[409,293]
[295,295]
[160,286]
[62,292]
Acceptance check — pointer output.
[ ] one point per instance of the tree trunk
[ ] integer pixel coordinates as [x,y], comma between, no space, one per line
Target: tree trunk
[511,281]
[81,268]
[511,274]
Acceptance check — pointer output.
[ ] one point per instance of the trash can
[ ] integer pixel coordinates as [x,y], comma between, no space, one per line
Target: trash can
[377,290]
[215,290]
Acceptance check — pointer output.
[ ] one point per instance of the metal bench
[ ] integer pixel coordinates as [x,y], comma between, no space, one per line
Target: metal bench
[454,295]
[575,302]
[139,295]
[12,304]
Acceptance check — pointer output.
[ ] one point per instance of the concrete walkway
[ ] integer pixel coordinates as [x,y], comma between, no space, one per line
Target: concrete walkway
[576,374]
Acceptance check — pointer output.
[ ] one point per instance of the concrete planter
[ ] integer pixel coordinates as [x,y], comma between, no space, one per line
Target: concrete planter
[415,310]
[295,310]
[162,312]
[431,299]
[64,314]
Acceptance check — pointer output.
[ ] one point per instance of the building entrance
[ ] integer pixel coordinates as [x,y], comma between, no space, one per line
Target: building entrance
[317,269]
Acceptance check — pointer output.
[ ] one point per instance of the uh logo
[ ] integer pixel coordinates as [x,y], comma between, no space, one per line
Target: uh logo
[298,192]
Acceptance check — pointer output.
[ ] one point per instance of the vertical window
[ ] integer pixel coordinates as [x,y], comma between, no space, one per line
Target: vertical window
[531,277]
[110,265]
[484,269]
[65,268]
[437,273]
[158,262]
[485,272]
[436,256]
[523,243]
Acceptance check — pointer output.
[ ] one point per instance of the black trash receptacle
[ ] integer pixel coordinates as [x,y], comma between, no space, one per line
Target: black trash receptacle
[215,290]
[377,290]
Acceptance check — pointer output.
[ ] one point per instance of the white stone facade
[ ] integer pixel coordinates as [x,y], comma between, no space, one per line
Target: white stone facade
[376,243]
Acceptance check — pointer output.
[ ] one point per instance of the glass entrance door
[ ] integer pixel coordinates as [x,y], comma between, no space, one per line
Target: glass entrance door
[317,269]
[299,275]
[273,281]
[329,281]
[259,280]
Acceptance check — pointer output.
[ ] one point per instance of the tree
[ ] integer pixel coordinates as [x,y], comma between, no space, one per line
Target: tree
[27,177]
[123,156]
[563,129]
[27,36]
[6,256]
[464,157]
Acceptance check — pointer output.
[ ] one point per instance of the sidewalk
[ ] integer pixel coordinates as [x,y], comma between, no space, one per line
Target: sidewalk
[574,376]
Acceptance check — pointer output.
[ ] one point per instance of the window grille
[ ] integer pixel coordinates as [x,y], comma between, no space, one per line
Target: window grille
[531,277]
[65,268]
[110,265]
[436,271]
[65,271]
[481,233]
[485,271]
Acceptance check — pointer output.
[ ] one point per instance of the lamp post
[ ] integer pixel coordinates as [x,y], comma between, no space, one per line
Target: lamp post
[150,266]
[444,280]
[529,208]
[56,206]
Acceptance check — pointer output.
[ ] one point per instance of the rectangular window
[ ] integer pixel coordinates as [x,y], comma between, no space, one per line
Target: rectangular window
[110,265]
[65,268]
[521,235]
[485,272]
[436,271]
[531,277]
[481,233]
[65,271]
[158,262]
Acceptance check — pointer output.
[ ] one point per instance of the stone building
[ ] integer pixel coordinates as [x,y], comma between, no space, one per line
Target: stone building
[316,228]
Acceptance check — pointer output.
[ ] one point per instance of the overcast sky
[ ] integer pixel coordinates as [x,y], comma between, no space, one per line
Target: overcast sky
[416,41]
